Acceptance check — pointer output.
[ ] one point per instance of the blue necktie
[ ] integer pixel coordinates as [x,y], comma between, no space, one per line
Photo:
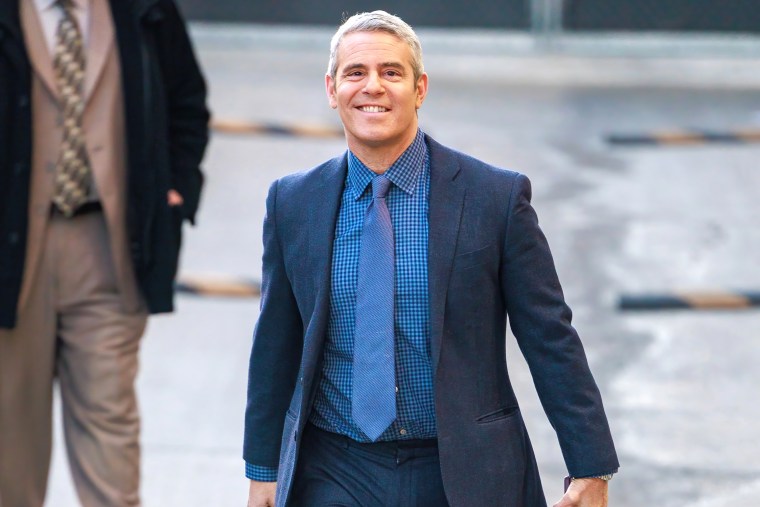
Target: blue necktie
[373,401]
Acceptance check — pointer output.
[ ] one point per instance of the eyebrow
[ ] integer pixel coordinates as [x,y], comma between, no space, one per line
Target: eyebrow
[352,66]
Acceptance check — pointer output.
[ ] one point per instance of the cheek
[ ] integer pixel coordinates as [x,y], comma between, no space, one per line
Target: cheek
[343,97]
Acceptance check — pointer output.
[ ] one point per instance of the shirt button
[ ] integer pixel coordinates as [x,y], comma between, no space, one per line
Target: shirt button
[396,388]
[23,101]
[13,238]
[402,431]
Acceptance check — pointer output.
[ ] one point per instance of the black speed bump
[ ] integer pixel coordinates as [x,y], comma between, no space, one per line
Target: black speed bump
[221,287]
[707,300]
[685,137]
[241,127]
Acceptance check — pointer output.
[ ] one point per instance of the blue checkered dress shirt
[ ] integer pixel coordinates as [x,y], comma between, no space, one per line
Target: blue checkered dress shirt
[408,205]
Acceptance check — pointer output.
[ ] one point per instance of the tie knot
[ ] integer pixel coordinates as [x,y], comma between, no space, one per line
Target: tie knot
[66,5]
[380,186]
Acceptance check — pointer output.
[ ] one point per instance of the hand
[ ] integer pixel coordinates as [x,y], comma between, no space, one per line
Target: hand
[261,494]
[585,493]
[174,198]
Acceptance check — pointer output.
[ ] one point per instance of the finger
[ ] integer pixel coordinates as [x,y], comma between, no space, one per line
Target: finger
[174,198]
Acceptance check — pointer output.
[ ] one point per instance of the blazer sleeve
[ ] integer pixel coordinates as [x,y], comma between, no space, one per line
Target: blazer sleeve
[541,322]
[276,351]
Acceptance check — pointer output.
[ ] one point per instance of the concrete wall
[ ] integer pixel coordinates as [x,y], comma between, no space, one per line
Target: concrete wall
[513,14]
[577,15]
[663,15]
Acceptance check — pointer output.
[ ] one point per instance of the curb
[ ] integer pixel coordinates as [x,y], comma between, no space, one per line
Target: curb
[221,287]
[712,300]
[685,138]
[241,127]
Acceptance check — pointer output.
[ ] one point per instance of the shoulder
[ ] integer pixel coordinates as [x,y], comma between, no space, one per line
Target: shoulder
[293,185]
[475,172]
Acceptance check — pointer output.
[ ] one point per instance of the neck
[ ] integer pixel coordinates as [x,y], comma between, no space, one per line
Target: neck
[379,159]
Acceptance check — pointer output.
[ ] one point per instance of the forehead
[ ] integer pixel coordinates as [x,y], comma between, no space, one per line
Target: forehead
[369,48]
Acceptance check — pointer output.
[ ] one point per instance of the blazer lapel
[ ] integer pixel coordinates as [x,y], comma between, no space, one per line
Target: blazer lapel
[101,38]
[324,200]
[37,48]
[447,194]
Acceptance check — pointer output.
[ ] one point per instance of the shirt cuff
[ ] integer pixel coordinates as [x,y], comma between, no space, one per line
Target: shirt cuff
[607,476]
[260,473]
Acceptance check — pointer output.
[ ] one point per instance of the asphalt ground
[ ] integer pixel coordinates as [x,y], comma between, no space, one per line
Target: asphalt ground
[680,388]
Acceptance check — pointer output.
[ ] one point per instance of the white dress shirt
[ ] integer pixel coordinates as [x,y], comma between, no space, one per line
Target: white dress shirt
[50,15]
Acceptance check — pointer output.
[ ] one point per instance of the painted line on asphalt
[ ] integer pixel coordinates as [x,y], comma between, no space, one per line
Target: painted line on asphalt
[217,286]
[685,137]
[684,300]
[240,127]
[697,300]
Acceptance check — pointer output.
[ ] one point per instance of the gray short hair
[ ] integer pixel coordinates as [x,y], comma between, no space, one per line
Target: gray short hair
[377,21]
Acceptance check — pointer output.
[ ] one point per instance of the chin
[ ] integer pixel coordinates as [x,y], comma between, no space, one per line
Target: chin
[372,138]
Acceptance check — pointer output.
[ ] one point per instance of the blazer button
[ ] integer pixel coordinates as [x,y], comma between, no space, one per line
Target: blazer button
[13,238]
[23,101]
[18,168]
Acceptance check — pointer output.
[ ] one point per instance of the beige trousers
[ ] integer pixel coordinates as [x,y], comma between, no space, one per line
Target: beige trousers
[73,329]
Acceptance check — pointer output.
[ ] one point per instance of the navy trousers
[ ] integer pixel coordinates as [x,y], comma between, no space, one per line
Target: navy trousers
[336,471]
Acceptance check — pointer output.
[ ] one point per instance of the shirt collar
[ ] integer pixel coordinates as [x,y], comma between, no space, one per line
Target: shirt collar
[404,173]
[48,4]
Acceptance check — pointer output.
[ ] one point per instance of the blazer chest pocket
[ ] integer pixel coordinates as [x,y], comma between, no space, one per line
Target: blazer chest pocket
[475,258]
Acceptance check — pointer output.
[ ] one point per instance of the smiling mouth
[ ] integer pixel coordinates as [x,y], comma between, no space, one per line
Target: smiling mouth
[373,109]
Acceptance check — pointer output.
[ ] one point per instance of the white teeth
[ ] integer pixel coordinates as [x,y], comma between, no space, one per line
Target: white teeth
[373,109]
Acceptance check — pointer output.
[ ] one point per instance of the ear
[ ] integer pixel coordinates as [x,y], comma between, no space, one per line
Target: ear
[422,87]
[330,88]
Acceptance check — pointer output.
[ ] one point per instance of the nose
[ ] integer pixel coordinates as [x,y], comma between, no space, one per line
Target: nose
[373,85]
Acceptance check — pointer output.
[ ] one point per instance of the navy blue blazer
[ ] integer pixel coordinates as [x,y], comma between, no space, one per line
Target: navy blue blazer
[489,264]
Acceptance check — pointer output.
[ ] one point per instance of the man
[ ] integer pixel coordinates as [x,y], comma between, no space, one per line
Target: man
[377,373]
[103,125]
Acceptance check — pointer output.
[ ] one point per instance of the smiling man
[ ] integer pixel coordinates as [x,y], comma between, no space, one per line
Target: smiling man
[378,373]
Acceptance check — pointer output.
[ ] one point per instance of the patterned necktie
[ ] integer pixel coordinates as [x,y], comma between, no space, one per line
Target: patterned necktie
[72,176]
[373,401]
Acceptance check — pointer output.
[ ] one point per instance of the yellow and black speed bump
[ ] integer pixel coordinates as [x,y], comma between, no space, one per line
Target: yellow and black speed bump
[253,128]
[685,137]
[690,300]
[221,287]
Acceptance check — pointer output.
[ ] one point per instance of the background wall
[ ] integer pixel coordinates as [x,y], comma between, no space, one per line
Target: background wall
[575,15]
[512,14]
[663,15]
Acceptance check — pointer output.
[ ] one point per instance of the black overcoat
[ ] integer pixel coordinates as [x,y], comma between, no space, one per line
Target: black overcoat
[167,133]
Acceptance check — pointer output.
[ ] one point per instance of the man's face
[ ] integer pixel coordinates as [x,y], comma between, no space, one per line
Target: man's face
[374,91]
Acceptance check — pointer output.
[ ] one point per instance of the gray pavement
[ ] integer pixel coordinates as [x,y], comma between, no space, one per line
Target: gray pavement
[680,388]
